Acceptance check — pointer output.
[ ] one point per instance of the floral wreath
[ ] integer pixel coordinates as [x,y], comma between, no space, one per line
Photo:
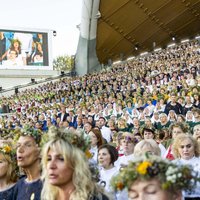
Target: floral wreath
[129,139]
[7,149]
[28,131]
[75,138]
[171,176]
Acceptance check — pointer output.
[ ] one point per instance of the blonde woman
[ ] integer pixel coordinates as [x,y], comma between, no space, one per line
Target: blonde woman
[8,172]
[147,146]
[175,129]
[149,133]
[122,125]
[187,151]
[66,172]
[154,178]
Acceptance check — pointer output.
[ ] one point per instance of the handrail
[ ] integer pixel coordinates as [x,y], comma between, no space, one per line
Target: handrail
[68,74]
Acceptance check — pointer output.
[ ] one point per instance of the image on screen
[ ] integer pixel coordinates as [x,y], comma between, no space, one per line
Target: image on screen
[19,48]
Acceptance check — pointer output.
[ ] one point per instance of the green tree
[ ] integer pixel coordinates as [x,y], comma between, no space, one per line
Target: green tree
[63,63]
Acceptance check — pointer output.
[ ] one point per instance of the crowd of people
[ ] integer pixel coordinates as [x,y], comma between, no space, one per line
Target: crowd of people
[143,113]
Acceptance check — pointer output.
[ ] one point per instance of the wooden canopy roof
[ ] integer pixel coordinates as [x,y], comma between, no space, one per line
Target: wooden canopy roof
[145,24]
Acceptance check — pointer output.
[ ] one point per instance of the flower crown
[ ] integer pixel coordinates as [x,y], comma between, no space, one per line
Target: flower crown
[74,138]
[171,176]
[29,131]
[129,139]
[6,149]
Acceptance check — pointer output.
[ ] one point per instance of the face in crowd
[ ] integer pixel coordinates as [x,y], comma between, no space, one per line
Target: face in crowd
[196,132]
[27,152]
[151,190]
[128,144]
[56,167]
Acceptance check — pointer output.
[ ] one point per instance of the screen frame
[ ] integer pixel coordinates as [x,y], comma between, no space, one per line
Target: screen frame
[49,48]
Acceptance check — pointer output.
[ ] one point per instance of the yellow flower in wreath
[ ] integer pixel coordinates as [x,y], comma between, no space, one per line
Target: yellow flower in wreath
[88,154]
[142,167]
[6,149]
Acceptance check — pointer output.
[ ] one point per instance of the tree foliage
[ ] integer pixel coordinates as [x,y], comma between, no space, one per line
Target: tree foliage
[64,63]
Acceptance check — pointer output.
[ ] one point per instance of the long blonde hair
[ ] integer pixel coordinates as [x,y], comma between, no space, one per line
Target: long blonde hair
[76,159]
[11,173]
[146,144]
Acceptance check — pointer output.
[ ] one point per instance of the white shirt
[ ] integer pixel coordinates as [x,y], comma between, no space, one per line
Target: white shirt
[190,82]
[124,160]
[151,108]
[105,177]
[106,133]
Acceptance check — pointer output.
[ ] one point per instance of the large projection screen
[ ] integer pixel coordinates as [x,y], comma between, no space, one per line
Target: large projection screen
[25,49]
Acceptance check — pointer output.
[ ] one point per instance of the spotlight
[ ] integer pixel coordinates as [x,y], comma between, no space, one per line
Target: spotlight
[173,38]
[136,47]
[32,80]
[16,90]
[62,73]
[54,33]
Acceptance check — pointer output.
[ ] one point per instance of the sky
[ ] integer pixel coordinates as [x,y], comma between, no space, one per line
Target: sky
[60,15]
